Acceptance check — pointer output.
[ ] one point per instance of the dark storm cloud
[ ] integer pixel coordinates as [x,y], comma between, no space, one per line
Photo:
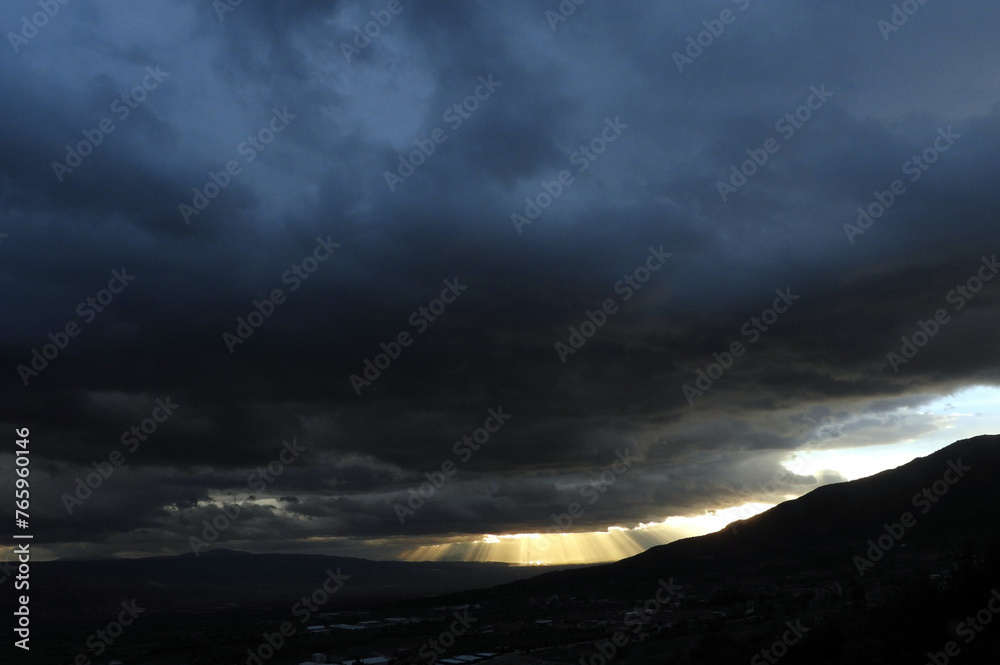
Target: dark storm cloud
[323,178]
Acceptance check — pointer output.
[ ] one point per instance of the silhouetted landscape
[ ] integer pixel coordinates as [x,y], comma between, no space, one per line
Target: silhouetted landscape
[534,332]
[726,596]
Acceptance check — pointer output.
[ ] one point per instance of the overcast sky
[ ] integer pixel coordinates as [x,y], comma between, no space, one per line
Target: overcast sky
[178,161]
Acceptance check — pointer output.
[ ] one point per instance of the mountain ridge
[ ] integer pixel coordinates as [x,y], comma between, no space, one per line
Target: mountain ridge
[864,504]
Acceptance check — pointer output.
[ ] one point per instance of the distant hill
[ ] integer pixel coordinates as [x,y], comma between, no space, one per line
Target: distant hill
[219,600]
[824,528]
[66,593]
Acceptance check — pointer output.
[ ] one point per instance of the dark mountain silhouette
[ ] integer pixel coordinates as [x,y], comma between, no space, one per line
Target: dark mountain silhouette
[224,579]
[826,527]
[806,542]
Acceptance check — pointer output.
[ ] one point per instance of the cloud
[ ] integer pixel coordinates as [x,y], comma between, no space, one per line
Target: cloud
[324,177]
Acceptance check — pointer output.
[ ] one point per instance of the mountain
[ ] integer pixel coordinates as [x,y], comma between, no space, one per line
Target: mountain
[827,527]
[893,569]
[823,529]
[220,580]
[853,560]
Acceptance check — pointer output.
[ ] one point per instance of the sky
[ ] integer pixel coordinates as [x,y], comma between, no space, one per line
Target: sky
[535,282]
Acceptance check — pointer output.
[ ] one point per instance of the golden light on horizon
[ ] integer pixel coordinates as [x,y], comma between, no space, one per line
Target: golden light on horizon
[583,547]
